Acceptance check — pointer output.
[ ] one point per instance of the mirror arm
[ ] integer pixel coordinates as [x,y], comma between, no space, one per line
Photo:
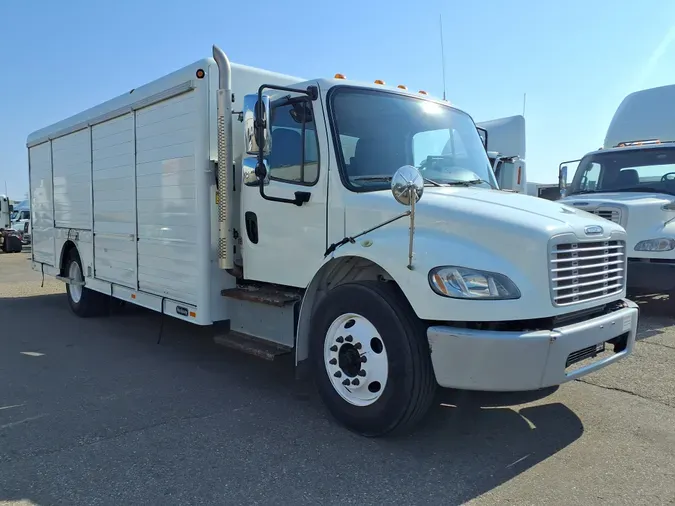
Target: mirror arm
[352,239]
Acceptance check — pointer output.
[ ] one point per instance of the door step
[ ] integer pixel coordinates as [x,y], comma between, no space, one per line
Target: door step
[264,294]
[251,345]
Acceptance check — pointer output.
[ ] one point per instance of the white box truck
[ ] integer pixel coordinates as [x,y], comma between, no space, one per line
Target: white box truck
[505,142]
[272,206]
[630,180]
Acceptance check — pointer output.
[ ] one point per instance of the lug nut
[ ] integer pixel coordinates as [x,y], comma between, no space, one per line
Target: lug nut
[355,381]
[358,346]
[349,339]
[340,339]
[364,359]
[345,382]
[333,361]
[362,373]
[337,374]
[333,348]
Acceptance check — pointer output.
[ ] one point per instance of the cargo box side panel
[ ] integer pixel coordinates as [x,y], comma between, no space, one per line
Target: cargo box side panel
[71,157]
[114,203]
[166,197]
[42,203]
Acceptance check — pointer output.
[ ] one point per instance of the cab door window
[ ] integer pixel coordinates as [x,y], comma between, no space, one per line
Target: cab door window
[292,160]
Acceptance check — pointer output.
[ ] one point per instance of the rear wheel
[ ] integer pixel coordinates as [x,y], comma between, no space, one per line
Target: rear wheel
[371,359]
[83,301]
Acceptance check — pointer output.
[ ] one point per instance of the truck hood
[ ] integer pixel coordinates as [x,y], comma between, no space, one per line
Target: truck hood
[453,209]
[640,213]
[628,198]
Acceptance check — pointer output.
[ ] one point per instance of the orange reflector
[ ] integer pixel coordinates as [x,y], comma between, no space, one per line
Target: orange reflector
[340,76]
[200,74]
[379,81]
[133,295]
[402,86]
[519,172]
[440,285]
[422,92]
[193,314]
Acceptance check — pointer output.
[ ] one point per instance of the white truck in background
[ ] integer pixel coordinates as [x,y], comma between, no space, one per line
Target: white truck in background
[332,223]
[505,143]
[5,212]
[20,218]
[630,180]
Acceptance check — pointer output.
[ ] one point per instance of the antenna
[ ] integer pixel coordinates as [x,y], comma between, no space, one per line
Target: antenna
[440,17]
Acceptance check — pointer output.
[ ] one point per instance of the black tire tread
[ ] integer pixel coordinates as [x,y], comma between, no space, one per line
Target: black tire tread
[424,384]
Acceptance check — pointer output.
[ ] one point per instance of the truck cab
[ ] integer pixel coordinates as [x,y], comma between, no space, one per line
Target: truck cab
[630,181]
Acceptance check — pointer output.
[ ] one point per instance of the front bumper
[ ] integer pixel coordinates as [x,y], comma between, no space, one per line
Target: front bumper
[519,361]
[644,275]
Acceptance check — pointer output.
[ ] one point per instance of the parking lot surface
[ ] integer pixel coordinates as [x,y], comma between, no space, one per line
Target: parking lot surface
[96,412]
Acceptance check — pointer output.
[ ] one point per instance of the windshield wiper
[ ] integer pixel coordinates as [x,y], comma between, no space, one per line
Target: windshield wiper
[386,179]
[646,189]
[582,192]
[471,183]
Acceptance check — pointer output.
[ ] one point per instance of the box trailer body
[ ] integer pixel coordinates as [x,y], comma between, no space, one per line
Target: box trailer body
[227,195]
[630,180]
[506,145]
[5,212]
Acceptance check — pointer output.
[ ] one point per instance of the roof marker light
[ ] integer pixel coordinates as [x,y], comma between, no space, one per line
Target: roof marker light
[340,76]
[402,86]
[379,81]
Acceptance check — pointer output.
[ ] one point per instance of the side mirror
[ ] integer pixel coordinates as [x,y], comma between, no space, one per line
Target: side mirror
[257,128]
[483,133]
[11,208]
[562,179]
[249,175]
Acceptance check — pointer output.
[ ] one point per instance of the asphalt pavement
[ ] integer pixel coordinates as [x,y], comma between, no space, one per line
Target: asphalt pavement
[96,412]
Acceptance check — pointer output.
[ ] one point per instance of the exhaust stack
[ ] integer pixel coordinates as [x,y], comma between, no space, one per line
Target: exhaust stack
[225,158]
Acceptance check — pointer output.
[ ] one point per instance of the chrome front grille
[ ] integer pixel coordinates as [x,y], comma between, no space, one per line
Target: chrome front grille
[610,214]
[584,271]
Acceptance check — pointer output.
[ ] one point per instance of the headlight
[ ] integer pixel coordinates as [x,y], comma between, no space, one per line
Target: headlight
[464,283]
[661,244]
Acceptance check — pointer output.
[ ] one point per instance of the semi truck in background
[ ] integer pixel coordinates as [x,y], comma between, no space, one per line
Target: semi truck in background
[5,212]
[10,239]
[20,218]
[505,143]
[630,181]
[353,225]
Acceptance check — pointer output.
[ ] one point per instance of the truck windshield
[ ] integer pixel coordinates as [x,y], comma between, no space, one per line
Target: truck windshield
[632,170]
[378,132]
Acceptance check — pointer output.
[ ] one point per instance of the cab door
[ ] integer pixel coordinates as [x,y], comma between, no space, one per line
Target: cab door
[282,242]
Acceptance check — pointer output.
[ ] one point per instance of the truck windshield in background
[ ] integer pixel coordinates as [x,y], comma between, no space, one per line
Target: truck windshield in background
[633,170]
[378,132]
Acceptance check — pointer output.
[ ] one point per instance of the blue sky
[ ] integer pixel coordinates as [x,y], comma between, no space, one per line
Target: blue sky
[575,60]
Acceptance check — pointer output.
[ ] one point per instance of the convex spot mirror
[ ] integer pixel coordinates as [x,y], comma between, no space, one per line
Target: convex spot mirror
[407,185]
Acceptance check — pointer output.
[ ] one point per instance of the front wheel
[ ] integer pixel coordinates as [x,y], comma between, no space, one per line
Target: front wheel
[371,359]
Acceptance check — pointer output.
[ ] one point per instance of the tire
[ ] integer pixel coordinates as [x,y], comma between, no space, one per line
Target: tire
[401,368]
[83,301]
